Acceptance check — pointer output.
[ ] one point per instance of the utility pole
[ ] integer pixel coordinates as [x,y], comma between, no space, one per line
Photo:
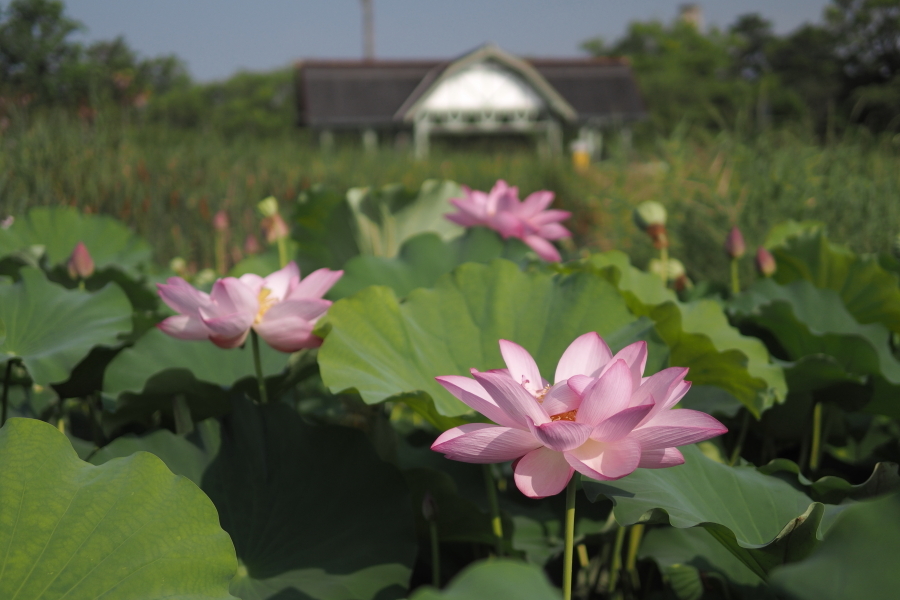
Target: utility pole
[368,30]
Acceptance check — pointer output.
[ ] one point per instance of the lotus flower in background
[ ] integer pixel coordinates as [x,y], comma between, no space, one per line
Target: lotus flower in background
[80,264]
[281,308]
[501,210]
[600,417]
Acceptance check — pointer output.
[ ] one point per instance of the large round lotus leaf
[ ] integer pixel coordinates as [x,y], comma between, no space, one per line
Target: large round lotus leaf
[495,579]
[128,529]
[51,329]
[695,548]
[384,348]
[761,519]
[59,229]
[857,559]
[700,337]
[147,375]
[869,292]
[423,259]
[312,510]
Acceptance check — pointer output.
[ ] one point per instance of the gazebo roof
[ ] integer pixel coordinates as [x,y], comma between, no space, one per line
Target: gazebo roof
[388,93]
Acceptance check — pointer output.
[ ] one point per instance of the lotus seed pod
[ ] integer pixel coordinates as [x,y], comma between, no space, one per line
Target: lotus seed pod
[80,265]
[734,243]
[649,213]
[268,207]
[674,267]
[220,221]
[179,266]
[765,262]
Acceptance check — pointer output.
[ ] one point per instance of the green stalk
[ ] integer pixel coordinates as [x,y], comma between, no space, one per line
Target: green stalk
[664,264]
[634,543]
[6,381]
[570,537]
[735,278]
[435,555]
[816,448]
[282,252]
[263,396]
[491,486]
[742,437]
[615,564]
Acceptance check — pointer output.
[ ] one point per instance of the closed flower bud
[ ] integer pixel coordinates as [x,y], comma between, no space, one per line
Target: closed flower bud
[80,265]
[268,207]
[275,228]
[765,262]
[220,221]
[251,245]
[429,507]
[734,243]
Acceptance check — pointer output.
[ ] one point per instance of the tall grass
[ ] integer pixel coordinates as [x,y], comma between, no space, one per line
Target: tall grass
[167,183]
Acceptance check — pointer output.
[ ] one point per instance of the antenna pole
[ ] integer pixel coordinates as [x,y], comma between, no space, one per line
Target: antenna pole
[368,30]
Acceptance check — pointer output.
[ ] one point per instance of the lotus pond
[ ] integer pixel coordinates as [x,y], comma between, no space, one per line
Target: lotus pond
[382,403]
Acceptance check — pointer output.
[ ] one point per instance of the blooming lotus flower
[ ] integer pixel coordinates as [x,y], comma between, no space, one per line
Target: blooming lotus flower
[600,417]
[281,308]
[501,210]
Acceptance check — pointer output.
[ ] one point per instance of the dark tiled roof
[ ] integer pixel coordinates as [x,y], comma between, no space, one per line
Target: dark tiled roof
[357,93]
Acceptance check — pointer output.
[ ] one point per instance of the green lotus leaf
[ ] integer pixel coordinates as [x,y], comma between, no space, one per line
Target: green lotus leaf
[678,552]
[870,292]
[50,329]
[59,229]
[835,490]
[311,509]
[762,520]
[145,377]
[386,349]
[496,578]
[127,529]
[699,337]
[423,259]
[857,559]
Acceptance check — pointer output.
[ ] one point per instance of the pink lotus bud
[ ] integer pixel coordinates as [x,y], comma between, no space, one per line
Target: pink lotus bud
[765,262]
[275,228]
[81,265]
[251,245]
[429,507]
[220,221]
[734,244]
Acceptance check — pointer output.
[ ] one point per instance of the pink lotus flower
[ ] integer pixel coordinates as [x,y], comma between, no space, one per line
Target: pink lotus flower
[281,308]
[502,211]
[80,263]
[600,417]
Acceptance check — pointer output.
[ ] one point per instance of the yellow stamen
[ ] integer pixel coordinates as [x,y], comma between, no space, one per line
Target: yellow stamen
[266,301]
[566,416]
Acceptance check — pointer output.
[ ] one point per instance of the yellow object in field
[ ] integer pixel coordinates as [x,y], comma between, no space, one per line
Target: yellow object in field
[581,160]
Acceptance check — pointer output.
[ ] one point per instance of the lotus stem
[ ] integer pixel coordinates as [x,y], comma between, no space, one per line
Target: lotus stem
[742,437]
[816,448]
[435,554]
[257,362]
[570,537]
[634,543]
[6,381]
[615,564]
[664,264]
[496,523]
[735,278]
[282,252]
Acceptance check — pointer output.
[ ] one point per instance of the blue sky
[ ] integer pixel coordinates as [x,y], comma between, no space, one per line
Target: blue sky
[218,37]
